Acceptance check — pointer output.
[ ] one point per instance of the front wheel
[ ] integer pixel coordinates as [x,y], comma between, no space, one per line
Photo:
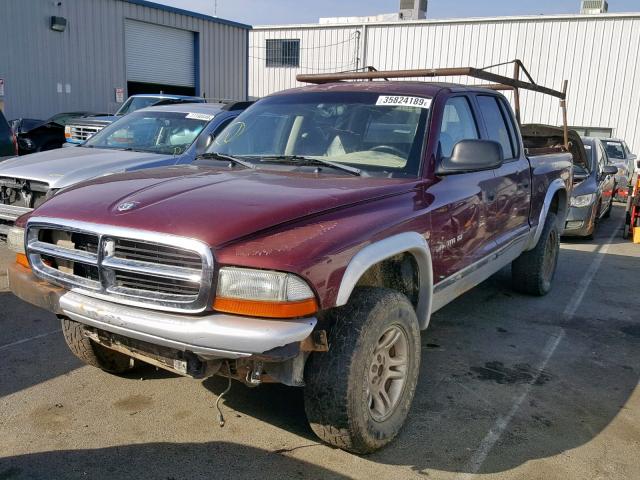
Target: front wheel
[533,271]
[91,353]
[358,395]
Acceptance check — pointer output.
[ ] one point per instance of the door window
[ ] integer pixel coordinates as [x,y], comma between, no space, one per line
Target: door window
[496,124]
[602,157]
[458,124]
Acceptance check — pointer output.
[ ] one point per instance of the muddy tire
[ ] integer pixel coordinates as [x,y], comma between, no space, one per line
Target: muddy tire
[533,271]
[358,395]
[91,353]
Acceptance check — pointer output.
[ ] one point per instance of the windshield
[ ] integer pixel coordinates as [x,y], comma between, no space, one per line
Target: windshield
[154,132]
[136,103]
[378,134]
[615,150]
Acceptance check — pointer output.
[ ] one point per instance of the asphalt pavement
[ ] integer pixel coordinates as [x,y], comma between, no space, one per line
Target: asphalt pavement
[511,387]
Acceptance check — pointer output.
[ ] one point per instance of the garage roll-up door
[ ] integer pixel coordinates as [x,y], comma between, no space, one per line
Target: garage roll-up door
[158,54]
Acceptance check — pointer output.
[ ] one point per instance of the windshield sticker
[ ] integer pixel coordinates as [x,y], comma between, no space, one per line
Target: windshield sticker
[402,101]
[200,116]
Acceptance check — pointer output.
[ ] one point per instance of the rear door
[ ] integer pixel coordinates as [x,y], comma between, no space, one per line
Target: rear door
[7,146]
[510,209]
[459,220]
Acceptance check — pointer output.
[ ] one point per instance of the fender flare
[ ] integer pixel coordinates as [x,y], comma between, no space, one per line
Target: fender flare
[408,242]
[556,186]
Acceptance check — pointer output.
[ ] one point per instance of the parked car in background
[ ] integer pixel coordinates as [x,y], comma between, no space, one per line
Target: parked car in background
[309,246]
[8,142]
[78,130]
[42,135]
[152,137]
[594,186]
[627,163]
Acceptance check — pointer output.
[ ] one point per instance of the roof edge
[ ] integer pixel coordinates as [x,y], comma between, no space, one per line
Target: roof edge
[521,18]
[188,13]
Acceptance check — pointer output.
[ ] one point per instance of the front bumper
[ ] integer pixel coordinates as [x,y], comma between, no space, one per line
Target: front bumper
[579,221]
[209,336]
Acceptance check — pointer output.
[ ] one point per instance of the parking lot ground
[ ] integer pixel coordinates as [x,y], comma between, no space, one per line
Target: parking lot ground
[511,387]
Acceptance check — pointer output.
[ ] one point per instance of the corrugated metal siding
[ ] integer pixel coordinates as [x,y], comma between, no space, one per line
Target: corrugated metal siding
[90,54]
[599,55]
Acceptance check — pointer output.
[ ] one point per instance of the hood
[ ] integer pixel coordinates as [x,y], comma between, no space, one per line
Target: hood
[65,166]
[213,205]
[103,120]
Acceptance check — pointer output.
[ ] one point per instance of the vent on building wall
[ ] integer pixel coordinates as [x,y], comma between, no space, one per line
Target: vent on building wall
[594,7]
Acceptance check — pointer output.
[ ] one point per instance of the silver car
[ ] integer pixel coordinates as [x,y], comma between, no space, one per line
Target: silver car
[148,138]
[593,191]
[620,156]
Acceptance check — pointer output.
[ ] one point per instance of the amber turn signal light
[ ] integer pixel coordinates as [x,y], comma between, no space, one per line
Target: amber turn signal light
[252,308]
[22,260]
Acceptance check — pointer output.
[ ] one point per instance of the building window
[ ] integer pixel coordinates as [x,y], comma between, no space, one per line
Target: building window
[283,53]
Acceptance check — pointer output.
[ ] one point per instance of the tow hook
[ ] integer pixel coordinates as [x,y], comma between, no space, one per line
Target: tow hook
[254,376]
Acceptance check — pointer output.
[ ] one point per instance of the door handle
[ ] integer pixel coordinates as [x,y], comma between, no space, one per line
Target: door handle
[523,185]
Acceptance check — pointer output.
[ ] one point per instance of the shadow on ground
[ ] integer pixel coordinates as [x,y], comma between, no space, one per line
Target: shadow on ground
[161,461]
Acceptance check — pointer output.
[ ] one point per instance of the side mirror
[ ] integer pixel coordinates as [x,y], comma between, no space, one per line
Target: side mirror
[472,156]
[203,143]
[609,170]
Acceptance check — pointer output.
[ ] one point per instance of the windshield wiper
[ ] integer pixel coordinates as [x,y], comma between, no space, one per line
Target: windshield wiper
[299,159]
[228,158]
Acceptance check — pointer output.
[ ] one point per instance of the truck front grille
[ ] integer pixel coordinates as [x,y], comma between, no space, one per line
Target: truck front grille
[122,265]
[80,133]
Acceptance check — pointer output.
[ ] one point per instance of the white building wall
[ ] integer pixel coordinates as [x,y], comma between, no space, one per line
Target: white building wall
[599,55]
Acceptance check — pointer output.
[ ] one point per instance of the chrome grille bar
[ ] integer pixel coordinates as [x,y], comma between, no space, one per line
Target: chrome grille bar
[64,253]
[155,270]
[12,212]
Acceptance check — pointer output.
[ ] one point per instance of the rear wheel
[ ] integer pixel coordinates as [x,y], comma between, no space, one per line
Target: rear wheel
[91,353]
[358,395]
[533,271]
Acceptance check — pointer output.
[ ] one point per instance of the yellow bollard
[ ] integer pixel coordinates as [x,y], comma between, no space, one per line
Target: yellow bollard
[636,235]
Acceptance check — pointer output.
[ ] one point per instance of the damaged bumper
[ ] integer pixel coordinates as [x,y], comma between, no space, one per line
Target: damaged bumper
[209,336]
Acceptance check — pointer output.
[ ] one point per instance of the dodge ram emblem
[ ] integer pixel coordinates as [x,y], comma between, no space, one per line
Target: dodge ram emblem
[123,207]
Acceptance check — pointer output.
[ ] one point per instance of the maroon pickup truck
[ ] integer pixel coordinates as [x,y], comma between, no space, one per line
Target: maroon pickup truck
[310,245]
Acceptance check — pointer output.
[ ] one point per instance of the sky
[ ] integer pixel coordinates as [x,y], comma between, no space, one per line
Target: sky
[264,12]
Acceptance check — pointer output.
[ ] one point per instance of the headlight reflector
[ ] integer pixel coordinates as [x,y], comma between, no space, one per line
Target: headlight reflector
[583,200]
[263,293]
[15,240]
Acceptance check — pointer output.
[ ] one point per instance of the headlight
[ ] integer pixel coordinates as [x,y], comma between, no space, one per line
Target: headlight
[262,293]
[67,131]
[583,200]
[15,240]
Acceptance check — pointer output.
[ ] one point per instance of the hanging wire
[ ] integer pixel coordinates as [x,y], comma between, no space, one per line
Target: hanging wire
[316,69]
[221,420]
[310,68]
[314,47]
